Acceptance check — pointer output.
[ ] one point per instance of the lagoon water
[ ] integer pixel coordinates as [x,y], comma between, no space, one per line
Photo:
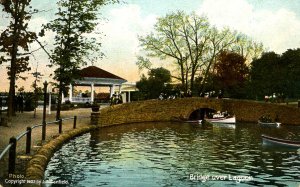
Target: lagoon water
[176,154]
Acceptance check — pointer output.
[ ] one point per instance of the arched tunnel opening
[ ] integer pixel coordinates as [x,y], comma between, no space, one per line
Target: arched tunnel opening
[201,113]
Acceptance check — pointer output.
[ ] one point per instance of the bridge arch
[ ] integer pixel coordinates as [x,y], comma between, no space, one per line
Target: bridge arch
[201,113]
[168,110]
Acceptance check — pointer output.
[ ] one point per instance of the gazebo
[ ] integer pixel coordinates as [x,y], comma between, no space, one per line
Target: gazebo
[93,76]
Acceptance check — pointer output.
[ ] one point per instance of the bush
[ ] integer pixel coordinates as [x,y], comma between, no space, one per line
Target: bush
[29,102]
[84,105]
[65,107]
[68,102]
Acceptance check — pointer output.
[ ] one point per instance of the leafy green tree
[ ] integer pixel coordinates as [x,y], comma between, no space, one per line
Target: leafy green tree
[155,84]
[75,20]
[192,45]
[267,75]
[231,73]
[14,43]
[218,41]
[289,76]
[247,48]
[180,38]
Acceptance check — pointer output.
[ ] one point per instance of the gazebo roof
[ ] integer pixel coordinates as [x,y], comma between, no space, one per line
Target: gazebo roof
[95,72]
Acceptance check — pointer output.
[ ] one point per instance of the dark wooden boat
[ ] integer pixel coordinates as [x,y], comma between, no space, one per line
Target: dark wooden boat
[193,121]
[273,124]
[268,140]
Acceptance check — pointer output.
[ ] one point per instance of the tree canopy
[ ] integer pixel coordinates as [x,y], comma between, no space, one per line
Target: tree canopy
[75,20]
[231,73]
[276,74]
[155,84]
[193,45]
[14,43]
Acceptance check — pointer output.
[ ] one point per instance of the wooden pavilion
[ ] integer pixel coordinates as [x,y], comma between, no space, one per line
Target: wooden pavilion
[93,76]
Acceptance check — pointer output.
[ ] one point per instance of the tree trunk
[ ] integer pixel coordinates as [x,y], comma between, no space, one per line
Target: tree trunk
[182,78]
[192,80]
[11,96]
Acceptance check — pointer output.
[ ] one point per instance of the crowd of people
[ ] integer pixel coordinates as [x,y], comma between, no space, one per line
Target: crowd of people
[116,99]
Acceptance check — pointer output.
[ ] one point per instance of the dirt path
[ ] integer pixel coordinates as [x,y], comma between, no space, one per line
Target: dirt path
[23,120]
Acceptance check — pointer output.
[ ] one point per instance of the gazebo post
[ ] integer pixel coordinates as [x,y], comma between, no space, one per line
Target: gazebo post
[63,98]
[128,96]
[70,93]
[120,88]
[92,92]
[112,90]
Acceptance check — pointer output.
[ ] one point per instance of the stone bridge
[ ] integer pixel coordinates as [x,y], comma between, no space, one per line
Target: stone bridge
[168,110]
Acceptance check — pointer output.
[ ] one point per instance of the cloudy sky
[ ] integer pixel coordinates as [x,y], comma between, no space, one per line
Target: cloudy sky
[275,23]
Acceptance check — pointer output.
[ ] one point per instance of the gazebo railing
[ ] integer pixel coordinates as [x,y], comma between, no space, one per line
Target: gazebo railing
[79,99]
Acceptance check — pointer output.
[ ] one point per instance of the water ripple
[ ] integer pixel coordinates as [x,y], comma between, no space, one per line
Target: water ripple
[165,154]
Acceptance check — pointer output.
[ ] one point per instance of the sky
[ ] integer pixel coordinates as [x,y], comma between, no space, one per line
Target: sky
[275,23]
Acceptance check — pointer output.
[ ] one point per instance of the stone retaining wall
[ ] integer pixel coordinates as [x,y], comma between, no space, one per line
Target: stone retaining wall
[37,165]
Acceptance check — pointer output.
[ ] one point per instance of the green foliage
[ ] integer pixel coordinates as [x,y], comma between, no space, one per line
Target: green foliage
[290,71]
[192,45]
[29,102]
[15,39]
[279,74]
[155,84]
[75,20]
[264,74]
[143,63]
[14,43]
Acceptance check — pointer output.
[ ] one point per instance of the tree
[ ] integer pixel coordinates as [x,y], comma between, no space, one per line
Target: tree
[189,42]
[247,48]
[276,74]
[218,41]
[231,73]
[15,40]
[180,38]
[290,73]
[75,20]
[155,84]
[265,75]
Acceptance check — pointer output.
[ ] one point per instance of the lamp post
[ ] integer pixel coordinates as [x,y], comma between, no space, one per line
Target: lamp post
[49,107]
[44,111]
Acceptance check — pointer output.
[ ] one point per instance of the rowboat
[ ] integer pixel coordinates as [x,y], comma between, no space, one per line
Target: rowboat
[274,124]
[193,121]
[222,120]
[268,140]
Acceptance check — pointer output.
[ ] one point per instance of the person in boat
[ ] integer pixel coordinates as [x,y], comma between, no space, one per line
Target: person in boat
[266,98]
[225,114]
[265,119]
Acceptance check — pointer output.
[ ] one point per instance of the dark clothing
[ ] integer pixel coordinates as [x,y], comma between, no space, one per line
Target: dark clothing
[20,103]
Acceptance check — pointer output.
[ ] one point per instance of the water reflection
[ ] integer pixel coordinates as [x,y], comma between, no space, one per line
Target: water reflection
[165,154]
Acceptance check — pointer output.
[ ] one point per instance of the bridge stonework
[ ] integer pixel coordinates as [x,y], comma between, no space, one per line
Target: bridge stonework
[168,110]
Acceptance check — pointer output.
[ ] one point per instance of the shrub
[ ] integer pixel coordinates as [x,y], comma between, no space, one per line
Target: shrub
[29,102]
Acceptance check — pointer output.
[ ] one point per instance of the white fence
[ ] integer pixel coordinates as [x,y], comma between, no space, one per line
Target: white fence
[79,99]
